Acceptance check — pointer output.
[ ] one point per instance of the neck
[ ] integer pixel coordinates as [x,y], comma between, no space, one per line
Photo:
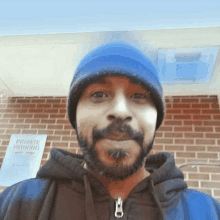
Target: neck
[122,188]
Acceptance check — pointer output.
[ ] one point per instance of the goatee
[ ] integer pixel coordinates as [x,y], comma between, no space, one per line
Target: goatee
[113,172]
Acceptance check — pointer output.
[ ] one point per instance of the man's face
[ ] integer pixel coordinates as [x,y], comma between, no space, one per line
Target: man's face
[116,121]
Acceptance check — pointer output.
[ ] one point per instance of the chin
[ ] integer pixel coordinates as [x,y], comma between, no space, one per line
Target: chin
[111,169]
[117,153]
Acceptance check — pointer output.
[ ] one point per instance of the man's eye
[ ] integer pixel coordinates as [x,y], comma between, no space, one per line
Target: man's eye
[139,96]
[99,95]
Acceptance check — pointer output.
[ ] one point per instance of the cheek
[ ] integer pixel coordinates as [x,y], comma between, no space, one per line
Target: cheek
[85,123]
[151,117]
[148,123]
[89,117]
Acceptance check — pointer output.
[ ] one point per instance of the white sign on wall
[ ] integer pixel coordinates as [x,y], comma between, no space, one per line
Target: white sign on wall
[22,159]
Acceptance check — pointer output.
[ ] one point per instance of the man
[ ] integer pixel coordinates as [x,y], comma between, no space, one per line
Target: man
[116,105]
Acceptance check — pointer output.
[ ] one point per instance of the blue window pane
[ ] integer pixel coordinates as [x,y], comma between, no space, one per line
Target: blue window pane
[186,70]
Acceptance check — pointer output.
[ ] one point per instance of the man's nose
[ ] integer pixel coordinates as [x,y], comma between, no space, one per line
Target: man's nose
[120,110]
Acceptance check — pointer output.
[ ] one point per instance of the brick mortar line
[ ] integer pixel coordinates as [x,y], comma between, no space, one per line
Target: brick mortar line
[210,188]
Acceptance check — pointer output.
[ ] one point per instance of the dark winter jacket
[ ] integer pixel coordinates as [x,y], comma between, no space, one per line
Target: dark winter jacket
[64,190]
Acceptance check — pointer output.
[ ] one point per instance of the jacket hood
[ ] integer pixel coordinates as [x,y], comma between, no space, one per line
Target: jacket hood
[166,180]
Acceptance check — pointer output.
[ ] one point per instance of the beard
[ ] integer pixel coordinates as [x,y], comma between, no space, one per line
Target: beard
[113,172]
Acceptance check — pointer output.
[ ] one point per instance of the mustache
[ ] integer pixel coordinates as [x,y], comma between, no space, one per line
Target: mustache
[119,128]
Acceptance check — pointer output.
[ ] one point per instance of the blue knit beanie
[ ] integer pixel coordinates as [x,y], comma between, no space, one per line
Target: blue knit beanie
[115,59]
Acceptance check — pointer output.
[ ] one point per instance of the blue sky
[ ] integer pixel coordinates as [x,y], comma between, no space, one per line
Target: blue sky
[44,17]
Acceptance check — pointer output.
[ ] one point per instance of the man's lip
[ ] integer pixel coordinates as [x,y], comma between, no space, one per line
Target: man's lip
[119,139]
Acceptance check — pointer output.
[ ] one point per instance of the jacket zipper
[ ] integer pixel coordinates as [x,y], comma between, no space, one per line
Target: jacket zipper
[119,210]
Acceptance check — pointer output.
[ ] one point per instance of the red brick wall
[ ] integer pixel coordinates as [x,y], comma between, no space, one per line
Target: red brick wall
[190,131]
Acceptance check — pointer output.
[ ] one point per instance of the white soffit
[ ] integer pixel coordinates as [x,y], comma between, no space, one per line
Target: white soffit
[43,65]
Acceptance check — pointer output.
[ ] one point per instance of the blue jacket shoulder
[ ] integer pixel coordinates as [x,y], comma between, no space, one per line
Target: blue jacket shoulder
[201,205]
[26,193]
